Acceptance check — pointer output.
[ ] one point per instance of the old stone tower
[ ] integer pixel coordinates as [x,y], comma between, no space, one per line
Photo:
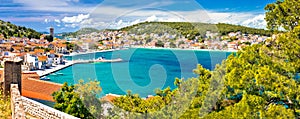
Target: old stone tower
[12,75]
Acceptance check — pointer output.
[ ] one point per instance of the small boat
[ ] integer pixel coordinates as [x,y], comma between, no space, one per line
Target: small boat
[59,74]
[53,74]
[45,78]
[101,59]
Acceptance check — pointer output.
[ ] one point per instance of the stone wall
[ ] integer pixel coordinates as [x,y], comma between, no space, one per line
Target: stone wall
[42,111]
[22,106]
[16,102]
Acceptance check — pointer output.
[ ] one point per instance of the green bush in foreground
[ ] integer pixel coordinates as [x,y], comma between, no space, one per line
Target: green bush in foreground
[79,100]
[5,108]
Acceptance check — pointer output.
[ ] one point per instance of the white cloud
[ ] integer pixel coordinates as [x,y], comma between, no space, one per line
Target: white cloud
[75,19]
[57,20]
[71,25]
[152,18]
[46,20]
[256,22]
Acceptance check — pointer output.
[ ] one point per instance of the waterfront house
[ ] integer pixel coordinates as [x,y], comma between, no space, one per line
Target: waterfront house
[42,61]
[31,61]
[50,59]
[60,48]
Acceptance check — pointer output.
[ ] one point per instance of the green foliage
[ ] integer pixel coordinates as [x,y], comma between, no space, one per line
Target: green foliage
[71,46]
[9,30]
[172,45]
[134,103]
[283,13]
[69,101]
[159,43]
[5,107]
[49,38]
[88,93]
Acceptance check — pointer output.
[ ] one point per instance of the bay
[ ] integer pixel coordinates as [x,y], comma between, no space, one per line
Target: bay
[142,71]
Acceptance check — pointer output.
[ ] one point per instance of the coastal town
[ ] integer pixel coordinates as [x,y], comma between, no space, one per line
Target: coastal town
[40,54]
[212,41]
[40,57]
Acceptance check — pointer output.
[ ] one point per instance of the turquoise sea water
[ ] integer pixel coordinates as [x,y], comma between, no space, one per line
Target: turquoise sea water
[142,70]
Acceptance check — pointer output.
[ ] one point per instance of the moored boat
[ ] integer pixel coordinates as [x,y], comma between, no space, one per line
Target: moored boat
[59,74]
[45,78]
[108,60]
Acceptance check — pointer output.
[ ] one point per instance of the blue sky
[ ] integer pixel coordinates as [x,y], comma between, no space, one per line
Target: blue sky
[70,15]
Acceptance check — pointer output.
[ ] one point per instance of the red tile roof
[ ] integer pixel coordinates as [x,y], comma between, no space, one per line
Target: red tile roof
[42,58]
[32,87]
[39,50]
[38,89]
[61,45]
[52,51]
[109,98]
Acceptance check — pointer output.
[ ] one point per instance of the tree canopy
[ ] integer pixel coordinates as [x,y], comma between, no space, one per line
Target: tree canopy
[79,100]
[8,30]
[283,13]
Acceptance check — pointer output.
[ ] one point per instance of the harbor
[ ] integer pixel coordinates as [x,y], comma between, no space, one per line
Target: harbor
[68,63]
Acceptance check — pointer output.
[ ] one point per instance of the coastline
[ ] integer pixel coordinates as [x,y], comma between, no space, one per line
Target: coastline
[90,52]
[68,63]
[160,48]
[71,62]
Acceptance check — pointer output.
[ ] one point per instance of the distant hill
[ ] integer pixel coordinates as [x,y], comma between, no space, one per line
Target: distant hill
[190,30]
[44,32]
[80,32]
[8,30]
[186,29]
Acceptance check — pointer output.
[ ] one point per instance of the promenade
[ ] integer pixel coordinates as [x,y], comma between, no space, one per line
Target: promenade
[57,67]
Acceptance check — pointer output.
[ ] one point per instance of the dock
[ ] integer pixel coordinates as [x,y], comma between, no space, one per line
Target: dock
[70,63]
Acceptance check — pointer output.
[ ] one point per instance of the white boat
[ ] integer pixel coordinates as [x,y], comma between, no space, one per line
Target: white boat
[45,78]
[59,74]
[54,74]
[100,59]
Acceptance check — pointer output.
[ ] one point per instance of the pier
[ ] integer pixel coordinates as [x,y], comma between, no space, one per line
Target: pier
[70,63]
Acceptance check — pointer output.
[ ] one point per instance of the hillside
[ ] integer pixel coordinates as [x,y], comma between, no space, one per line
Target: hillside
[190,30]
[186,29]
[80,32]
[8,30]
